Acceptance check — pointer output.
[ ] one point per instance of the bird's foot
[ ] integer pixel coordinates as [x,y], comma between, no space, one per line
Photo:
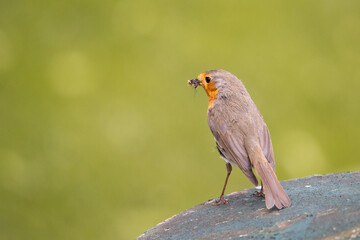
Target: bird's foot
[259,194]
[220,201]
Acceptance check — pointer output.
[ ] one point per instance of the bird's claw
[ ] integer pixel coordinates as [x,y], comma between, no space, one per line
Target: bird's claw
[220,201]
[258,194]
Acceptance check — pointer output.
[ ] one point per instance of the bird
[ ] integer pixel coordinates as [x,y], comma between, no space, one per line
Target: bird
[241,135]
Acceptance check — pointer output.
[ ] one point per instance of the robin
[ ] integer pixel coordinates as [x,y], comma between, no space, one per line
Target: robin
[241,135]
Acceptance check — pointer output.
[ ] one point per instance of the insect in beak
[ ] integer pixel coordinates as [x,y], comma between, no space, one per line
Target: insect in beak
[194,82]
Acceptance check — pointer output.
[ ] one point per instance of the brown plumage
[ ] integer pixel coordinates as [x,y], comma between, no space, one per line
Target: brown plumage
[241,134]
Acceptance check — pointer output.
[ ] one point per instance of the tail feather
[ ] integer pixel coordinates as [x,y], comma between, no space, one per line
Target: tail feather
[274,192]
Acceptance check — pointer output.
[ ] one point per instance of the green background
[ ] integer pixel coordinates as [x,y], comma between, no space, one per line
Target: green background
[101,138]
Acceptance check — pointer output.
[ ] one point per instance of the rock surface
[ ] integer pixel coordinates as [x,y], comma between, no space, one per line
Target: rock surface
[323,207]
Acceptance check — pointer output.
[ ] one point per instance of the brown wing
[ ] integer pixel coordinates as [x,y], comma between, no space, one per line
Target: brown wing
[232,148]
[266,146]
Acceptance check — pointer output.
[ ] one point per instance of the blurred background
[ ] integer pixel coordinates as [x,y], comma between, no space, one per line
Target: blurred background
[101,138]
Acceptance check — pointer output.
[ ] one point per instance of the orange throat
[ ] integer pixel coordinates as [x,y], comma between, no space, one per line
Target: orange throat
[209,88]
[212,95]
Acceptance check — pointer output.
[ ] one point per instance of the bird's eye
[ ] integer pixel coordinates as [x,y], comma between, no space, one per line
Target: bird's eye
[207,79]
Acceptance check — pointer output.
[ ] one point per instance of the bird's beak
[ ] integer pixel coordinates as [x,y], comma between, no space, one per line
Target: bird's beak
[194,82]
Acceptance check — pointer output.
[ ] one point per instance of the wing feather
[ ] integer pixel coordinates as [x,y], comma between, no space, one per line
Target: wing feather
[266,146]
[233,149]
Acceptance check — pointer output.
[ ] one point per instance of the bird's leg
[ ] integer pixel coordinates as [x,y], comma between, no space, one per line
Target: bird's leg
[261,193]
[221,198]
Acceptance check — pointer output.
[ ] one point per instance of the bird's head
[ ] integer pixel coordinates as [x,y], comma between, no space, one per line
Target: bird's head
[213,82]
